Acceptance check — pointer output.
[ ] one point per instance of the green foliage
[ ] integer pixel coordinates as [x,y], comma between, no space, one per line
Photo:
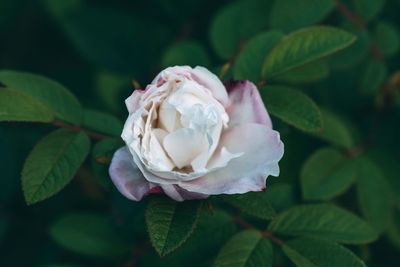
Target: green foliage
[387,38]
[304,46]
[310,252]
[17,106]
[375,73]
[49,93]
[326,174]
[290,15]
[53,163]
[170,223]
[293,107]
[88,234]
[185,53]
[101,122]
[311,72]
[245,249]
[253,203]
[323,221]
[368,9]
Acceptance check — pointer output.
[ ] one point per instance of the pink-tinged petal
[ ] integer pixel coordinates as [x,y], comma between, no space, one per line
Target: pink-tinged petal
[180,194]
[209,80]
[262,150]
[127,177]
[133,101]
[246,105]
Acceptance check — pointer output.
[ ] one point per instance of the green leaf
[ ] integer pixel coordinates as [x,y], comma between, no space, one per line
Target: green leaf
[310,252]
[281,196]
[49,93]
[373,194]
[186,53]
[334,130]
[102,122]
[88,234]
[253,203]
[52,164]
[311,72]
[368,9]
[245,249]
[323,221]
[373,76]
[326,174]
[111,87]
[293,107]
[387,37]
[17,106]
[170,223]
[235,23]
[289,15]
[102,153]
[304,46]
[249,62]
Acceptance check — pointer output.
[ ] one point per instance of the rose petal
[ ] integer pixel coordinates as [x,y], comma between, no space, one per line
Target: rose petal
[262,149]
[211,82]
[246,105]
[127,177]
[132,102]
[180,194]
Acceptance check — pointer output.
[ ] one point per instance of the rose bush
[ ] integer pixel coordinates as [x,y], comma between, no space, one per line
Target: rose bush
[190,136]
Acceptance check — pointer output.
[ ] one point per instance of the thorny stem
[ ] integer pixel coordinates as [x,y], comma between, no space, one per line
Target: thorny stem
[266,234]
[93,135]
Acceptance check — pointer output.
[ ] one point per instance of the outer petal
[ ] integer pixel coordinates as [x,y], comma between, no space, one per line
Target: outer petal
[133,101]
[127,177]
[246,105]
[211,82]
[180,194]
[262,149]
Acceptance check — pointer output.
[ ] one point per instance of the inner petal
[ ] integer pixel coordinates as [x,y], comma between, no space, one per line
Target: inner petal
[169,118]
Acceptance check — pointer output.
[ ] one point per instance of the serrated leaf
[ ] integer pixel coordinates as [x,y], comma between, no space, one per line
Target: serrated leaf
[373,194]
[310,252]
[52,164]
[310,72]
[49,93]
[387,38]
[326,174]
[323,221]
[246,249]
[334,130]
[88,234]
[17,106]
[185,53]
[249,62]
[293,107]
[289,15]
[235,23]
[170,223]
[102,122]
[253,203]
[304,46]
[373,77]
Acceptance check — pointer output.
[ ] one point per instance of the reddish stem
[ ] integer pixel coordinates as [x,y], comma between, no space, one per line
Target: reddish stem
[93,135]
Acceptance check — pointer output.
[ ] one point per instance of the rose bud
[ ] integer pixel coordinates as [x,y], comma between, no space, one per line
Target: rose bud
[189,136]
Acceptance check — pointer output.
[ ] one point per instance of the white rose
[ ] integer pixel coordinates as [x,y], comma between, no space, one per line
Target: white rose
[189,136]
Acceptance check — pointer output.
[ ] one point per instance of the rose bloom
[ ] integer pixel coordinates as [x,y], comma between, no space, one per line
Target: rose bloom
[190,136]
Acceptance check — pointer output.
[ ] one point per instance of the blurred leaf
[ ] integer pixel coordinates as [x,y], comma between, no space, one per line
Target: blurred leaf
[186,53]
[3,228]
[102,122]
[101,158]
[289,15]
[393,230]
[18,106]
[368,9]
[253,203]
[310,72]
[373,76]
[326,174]
[334,130]
[235,23]
[246,249]
[170,223]
[304,46]
[310,252]
[293,107]
[249,62]
[281,196]
[374,194]
[51,94]
[387,37]
[62,265]
[323,221]
[110,88]
[53,163]
[88,234]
